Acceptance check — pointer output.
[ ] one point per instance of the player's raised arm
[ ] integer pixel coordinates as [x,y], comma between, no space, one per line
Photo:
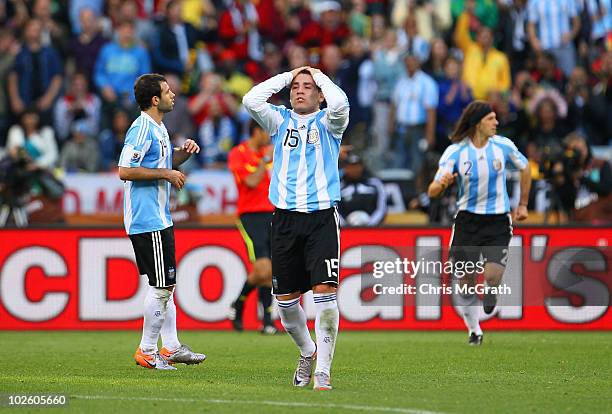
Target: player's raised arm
[256,101]
[337,102]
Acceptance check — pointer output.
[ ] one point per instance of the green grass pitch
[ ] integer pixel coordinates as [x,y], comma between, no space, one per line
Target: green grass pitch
[373,372]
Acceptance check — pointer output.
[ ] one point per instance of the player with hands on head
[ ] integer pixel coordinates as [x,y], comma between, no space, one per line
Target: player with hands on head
[305,188]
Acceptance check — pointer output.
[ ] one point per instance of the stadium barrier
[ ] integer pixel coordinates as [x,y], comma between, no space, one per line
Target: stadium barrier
[87,279]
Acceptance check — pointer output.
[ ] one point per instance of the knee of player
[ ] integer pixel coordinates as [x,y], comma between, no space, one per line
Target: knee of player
[324,288]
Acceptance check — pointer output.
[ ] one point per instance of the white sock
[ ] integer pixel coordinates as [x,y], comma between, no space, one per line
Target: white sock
[293,319]
[154,314]
[470,308]
[326,328]
[168,332]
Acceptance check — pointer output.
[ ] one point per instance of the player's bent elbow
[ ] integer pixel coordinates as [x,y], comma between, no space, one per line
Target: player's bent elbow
[124,173]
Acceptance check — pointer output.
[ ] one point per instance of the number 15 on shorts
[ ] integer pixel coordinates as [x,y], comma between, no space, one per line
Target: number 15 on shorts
[332,267]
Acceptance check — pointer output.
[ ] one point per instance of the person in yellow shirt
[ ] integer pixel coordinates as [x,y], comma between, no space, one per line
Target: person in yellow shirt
[485,68]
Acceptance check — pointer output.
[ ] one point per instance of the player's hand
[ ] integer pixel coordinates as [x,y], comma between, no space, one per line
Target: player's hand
[176,178]
[521,213]
[190,147]
[447,180]
[314,71]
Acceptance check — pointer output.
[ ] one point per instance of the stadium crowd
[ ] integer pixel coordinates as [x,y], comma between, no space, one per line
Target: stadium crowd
[409,67]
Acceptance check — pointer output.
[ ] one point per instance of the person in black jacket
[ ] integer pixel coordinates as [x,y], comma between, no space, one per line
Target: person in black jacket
[173,41]
[363,197]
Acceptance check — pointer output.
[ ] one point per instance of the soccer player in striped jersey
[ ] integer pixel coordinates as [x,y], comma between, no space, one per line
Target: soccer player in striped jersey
[147,165]
[305,188]
[478,160]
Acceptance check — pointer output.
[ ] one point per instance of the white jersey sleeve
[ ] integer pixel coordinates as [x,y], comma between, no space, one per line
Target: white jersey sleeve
[256,102]
[337,112]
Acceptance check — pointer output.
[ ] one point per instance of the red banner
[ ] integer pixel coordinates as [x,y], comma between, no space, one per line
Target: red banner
[87,279]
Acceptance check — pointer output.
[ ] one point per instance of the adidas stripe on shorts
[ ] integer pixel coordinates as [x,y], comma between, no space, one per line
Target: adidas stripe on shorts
[155,256]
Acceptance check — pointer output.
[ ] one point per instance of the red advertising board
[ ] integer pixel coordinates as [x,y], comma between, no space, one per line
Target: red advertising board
[87,279]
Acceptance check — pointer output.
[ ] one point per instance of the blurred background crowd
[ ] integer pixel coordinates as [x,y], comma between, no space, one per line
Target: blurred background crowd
[409,67]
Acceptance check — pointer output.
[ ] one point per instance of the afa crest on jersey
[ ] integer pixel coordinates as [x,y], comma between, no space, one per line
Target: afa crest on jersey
[497,164]
[313,136]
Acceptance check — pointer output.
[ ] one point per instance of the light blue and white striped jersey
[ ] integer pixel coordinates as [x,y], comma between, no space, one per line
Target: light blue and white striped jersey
[553,19]
[306,147]
[482,173]
[413,96]
[146,204]
[602,25]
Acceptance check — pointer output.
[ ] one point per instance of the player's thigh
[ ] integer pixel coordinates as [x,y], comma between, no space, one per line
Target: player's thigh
[155,256]
[322,249]
[464,247]
[288,268]
[495,241]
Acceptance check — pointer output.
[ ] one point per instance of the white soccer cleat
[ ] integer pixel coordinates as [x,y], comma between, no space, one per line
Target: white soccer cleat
[322,382]
[183,355]
[152,361]
[303,372]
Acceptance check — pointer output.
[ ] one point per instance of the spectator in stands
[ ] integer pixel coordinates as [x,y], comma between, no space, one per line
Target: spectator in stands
[238,30]
[38,142]
[74,12]
[112,139]
[602,101]
[210,91]
[297,16]
[359,22]
[178,122]
[549,129]
[173,41]
[217,135]
[271,22]
[434,66]
[546,74]
[201,14]
[53,32]
[331,60]
[413,116]
[409,40]
[363,198]
[356,78]
[330,28]
[85,46]
[9,48]
[234,81]
[117,68]
[77,105]
[271,64]
[297,57]
[484,67]
[36,77]
[81,153]
[144,29]
[513,28]
[484,12]
[513,121]
[454,97]
[552,27]
[578,96]
[388,68]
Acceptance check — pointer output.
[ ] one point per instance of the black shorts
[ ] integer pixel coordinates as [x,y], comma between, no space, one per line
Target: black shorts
[155,256]
[481,235]
[305,250]
[255,230]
